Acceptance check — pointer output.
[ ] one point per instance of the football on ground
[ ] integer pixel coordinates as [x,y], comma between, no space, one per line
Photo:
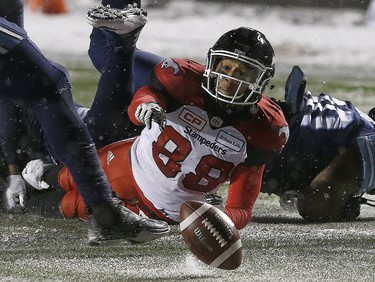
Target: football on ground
[210,235]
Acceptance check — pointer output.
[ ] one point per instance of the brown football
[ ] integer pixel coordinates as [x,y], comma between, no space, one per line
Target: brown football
[210,235]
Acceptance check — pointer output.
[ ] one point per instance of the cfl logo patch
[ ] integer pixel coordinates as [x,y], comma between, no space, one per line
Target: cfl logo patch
[192,119]
[216,122]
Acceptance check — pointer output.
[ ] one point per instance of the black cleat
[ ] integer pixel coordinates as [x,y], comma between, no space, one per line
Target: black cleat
[111,221]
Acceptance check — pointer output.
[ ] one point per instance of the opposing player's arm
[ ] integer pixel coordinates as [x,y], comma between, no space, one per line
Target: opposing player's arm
[243,191]
[40,175]
[9,132]
[14,192]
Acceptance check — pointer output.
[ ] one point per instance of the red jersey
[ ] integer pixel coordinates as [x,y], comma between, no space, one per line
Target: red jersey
[190,158]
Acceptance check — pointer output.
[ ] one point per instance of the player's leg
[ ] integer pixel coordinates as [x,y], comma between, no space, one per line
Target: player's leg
[119,173]
[113,55]
[65,197]
[144,63]
[44,86]
[325,199]
[48,94]
[100,48]
[100,52]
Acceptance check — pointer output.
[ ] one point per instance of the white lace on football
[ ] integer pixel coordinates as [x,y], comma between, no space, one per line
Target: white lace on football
[210,227]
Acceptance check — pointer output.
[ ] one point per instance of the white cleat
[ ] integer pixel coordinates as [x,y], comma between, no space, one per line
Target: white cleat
[120,21]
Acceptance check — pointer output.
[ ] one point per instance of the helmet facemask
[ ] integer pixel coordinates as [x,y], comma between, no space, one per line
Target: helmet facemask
[235,79]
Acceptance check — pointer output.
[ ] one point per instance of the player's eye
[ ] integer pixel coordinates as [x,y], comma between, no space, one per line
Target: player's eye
[225,69]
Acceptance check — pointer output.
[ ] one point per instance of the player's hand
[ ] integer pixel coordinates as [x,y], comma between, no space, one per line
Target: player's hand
[148,112]
[33,173]
[14,194]
[214,199]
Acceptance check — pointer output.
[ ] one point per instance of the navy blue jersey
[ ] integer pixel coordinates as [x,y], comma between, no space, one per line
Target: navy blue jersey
[29,77]
[322,127]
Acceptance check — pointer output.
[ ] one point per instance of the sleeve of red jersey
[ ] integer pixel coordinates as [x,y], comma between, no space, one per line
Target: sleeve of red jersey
[242,193]
[144,95]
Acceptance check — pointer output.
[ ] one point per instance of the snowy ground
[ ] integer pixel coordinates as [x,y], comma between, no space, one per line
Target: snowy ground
[328,41]
[278,246]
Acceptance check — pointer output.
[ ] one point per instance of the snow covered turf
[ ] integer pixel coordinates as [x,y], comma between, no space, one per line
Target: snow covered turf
[338,41]
[278,246]
[336,50]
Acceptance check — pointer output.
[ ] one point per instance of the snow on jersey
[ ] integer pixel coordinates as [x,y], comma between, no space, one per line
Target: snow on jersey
[186,160]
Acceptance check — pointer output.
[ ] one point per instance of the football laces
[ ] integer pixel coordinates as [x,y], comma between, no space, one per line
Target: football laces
[218,237]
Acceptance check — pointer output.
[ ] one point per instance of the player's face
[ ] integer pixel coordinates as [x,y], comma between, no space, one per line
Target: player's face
[236,69]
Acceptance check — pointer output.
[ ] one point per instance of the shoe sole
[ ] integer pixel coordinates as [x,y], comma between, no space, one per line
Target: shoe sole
[116,21]
[145,236]
[142,237]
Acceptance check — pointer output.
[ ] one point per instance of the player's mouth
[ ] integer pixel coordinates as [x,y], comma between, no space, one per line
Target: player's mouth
[228,93]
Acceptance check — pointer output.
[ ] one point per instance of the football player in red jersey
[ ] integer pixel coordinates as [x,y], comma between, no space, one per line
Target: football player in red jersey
[205,125]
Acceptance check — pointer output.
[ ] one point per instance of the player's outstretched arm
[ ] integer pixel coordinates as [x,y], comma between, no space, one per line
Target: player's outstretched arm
[243,191]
